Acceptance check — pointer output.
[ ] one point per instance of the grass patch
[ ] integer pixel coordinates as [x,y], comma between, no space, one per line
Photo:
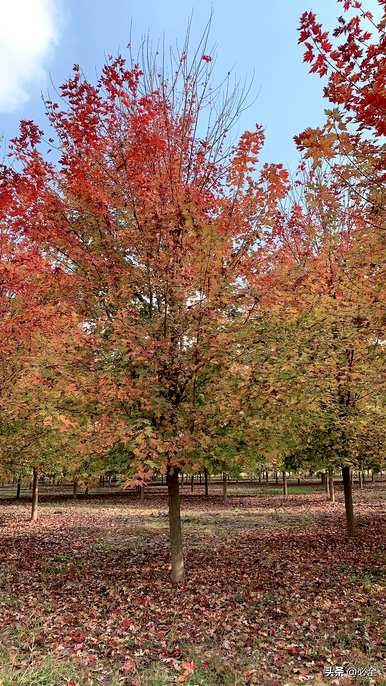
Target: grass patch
[214,671]
[48,673]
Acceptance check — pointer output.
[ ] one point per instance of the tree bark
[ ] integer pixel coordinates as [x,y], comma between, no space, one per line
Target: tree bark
[259,478]
[192,483]
[35,495]
[347,485]
[331,484]
[285,483]
[276,477]
[142,492]
[176,551]
[224,488]
[18,488]
[206,482]
[266,475]
[75,488]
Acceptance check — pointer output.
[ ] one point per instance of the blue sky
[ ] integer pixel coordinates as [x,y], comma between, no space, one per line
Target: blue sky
[41,39]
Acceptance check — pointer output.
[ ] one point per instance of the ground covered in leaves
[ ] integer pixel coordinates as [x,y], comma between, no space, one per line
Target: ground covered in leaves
[275,594]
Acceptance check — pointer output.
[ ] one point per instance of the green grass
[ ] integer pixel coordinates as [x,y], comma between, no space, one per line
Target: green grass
[48,673]
[215,671]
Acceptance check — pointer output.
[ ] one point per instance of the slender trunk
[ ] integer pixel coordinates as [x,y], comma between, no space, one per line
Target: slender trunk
[176,552]
[360,478]
[266,475]
[192,483]
[331,484]
[35,495]
[224,488]
[142,492]
[327,480]
[18,488]
[285,483]
[259,478]
[347,485]
[372,475]
[86,490]
[206,482]
[276,477]
[75,488]
[322,478]
[200,478]
[298,480]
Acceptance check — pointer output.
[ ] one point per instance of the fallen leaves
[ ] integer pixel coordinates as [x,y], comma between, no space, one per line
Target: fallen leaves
[273,587]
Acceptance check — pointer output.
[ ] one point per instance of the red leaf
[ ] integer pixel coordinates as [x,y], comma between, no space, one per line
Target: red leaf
[128,666]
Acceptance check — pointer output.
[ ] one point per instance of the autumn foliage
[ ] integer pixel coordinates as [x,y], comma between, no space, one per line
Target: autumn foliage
[170,305]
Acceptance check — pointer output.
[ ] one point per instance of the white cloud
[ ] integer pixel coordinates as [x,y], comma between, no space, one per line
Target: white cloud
[28,33]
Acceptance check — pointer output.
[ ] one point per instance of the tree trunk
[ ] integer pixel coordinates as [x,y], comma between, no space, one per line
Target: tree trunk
[266,475]
[176,552]
[331,484]
[224,488]
[347,485]
[259,478]
[75,488]
[86,490]
[327,480]
[298,480]
[192,483]
[35,495]
[142,492]
[276,477]
[206,482]
[285,483]
[360,479]
[372,475]
[18,488]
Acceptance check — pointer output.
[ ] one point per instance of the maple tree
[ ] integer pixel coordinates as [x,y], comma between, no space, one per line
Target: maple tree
[353,61]
[168,308]
[154,227]
[351,146]
[173,308]
[35,327]
[338,331]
